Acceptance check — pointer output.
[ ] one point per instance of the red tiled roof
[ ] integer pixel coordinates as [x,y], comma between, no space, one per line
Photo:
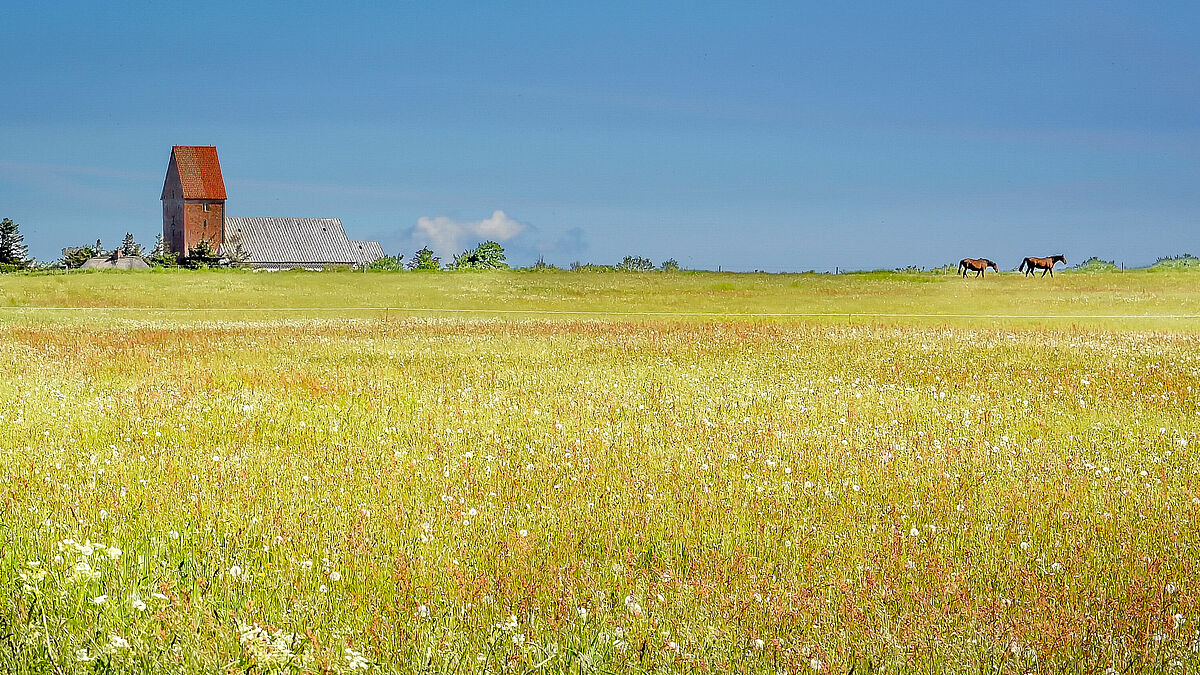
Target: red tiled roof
[199,171]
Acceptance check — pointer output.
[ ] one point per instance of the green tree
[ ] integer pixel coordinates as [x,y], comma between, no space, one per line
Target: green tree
[161,255]
[13,251]
[635,263]
[486,256]
[129,246]
[73,257]
[388,263]
[669,265]
[201,256]
[425,261]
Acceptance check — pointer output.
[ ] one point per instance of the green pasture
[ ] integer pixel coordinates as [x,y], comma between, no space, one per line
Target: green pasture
[1162,299]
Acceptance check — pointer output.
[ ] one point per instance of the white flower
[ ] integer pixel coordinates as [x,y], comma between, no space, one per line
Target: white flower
[356,660]
[914,533]
[113,552]
[100,599]
[1024,546]
[422,611]
[816,663]
[82,566]
[335,576]
[1171,589]
[307,565]
[323,588]
[173,534]
[81,655]
[524,533]
[235,571]
[85,550]
[583,613]
[158,596]
[116,642]
[103,514]
[759,644]
[138,604]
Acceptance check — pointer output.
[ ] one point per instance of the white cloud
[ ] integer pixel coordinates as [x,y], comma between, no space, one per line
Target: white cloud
[447,236]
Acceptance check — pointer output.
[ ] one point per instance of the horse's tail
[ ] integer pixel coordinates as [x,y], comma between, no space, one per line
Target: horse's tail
[1023,264]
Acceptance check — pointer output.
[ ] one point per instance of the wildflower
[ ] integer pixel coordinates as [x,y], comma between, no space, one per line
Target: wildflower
[423,611]
[1024,546]
[1171,588]
[158,596]
[335,576]
[323,588]
[307,565]
[524,533]
[759,644]
[633,607]
[356,660]
[81,655]
[100,599]
[82,566]
[113,552]
[914,532]
[815,663]
[583,613]
[235,571]
[173,534]
[116,642]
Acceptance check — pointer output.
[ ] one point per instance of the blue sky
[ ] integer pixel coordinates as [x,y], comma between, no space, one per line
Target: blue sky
[781,137]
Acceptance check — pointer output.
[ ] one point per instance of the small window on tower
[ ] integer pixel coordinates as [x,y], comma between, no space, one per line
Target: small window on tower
[205,206]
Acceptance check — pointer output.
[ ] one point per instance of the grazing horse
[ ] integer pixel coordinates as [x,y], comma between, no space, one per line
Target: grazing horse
[976,265]
[1044,264]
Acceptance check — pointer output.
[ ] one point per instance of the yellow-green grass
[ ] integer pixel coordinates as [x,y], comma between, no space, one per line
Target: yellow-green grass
[567,495]
[1007,299]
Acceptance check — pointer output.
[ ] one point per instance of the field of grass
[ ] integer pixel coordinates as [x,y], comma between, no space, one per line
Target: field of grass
[509,490]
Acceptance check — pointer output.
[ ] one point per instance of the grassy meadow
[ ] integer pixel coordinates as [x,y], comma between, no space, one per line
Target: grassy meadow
[596,473]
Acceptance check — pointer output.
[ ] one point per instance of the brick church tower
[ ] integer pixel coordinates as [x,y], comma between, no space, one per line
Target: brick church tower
[193,198]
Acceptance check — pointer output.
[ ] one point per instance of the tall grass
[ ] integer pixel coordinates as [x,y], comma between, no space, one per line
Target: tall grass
[411,495]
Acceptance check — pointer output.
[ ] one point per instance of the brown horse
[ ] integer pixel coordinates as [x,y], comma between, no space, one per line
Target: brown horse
[1044,264]
[976,265]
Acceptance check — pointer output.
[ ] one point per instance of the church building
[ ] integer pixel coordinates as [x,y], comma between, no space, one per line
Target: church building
[193,200]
